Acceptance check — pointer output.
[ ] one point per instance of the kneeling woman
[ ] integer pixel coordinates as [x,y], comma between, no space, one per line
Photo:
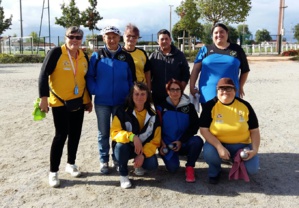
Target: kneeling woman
[180,124]
[228,124]
[137,133]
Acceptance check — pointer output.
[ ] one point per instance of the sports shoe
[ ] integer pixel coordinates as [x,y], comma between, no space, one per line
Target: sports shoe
[190,178]
[104,169]
[53,179]
[115,165]
[215,180]
[139,171]
[125,182]
[73,170]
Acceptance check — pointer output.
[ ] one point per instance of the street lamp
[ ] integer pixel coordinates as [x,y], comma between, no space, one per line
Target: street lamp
[170,9]
[282,6]
[21,20]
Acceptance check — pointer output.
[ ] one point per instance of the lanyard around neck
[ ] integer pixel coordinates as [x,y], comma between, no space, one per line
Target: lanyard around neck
[72,63]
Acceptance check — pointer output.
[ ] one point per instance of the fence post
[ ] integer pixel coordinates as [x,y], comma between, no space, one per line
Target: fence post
[279,44]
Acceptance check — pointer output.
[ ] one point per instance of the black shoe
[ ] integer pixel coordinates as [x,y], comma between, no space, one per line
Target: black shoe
[214,180]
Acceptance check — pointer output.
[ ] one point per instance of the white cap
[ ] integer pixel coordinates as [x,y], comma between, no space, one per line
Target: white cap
[112,29]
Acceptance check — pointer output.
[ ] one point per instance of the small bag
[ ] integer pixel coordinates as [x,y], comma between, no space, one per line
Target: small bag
[73,104]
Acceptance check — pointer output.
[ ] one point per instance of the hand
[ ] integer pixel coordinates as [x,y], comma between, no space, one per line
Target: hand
[137,145]
[138,161]
[178,145]
[193,91]
[241,92]
[251,154]
[88,107]
[223,153]
[43,105]
[161,149]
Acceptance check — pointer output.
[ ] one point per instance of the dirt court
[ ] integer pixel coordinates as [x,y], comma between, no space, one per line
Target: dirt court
[272,89]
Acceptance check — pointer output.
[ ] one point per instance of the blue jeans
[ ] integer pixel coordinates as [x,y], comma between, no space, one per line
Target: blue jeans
[125,152]
[211,157]
[191,149]
[104,114]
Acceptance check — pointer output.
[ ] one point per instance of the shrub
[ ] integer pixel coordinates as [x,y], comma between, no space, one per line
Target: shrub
[21,58]
[291,52]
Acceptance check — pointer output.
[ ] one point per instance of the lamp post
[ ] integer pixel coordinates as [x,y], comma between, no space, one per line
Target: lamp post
[21,20]
[170,9]
[282,6]
[49,24]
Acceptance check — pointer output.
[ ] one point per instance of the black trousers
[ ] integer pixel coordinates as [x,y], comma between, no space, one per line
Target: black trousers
[67,125]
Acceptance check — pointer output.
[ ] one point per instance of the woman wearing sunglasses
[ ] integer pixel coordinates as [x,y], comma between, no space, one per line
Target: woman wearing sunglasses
[229,124]
[180,124]
[62,78]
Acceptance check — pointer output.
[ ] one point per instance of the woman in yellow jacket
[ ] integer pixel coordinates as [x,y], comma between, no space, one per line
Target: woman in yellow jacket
[136,133]
[62,78]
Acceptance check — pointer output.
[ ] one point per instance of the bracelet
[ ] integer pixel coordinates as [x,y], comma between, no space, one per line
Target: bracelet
[131,137]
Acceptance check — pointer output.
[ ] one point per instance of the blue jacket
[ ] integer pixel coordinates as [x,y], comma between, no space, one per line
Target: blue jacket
[110,78]
[178,123]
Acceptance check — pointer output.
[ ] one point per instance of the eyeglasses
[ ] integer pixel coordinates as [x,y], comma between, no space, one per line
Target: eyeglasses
[131,37]
[227,89]
[175,90]
[71,37]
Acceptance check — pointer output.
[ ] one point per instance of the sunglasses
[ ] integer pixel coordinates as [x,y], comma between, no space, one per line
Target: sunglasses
[175,90]
[132,37]
[71,37]
[227,89]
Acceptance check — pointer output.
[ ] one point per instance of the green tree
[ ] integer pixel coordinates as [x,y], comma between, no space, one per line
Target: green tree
[35,38]
[197,32]
[91,16]
[232,34]
[189,13]
[244,33]
[296,32]
[262,35]
[207,35]
[4,23]
[226,11]
[70,16]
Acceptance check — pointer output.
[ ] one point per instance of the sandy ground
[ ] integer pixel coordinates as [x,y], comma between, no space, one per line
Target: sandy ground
[272,89]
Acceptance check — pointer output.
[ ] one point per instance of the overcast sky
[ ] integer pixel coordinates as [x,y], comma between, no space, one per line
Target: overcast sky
[148,15]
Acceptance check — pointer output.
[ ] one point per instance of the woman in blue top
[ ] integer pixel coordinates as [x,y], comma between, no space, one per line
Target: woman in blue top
[221,59]
[180,124]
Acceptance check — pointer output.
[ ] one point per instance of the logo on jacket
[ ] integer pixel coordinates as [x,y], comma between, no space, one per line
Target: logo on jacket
[219,118]
[185,109]
[241,113]
[233,53]
[121,57]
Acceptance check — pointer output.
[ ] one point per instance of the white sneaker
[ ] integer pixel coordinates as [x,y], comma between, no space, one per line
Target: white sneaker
[53,179]
[115,165]
[125,182]
[139,171]
[104,168]
[73,170]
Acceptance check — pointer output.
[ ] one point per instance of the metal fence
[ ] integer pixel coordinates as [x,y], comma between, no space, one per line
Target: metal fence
[16,45]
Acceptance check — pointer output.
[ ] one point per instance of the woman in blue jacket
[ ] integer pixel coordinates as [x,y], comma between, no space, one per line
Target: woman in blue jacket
[110,76]
[180,124]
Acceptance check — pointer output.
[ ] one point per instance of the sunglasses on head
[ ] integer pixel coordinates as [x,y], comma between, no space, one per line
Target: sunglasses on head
[71,37]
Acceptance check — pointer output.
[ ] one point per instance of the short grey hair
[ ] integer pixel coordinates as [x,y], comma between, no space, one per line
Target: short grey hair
[73,30]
